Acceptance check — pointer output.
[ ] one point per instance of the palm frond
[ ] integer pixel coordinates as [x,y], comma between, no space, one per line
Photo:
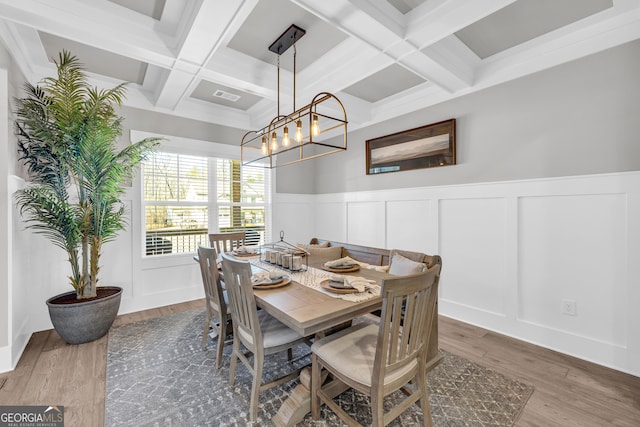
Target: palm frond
[50,216]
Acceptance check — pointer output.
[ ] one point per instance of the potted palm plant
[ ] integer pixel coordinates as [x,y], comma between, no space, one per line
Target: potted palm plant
[67,139]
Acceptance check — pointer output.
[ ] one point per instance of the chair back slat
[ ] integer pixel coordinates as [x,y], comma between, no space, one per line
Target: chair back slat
[207,258]
[226,242]
[237,277]
[409,341]
[407,313]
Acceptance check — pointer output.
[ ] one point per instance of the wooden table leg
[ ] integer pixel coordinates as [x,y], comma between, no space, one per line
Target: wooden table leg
[298,404]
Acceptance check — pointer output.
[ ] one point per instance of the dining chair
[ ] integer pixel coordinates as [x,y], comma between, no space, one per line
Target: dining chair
[377,360]
[260,333]
[429,261]
[226,242]
[218,316]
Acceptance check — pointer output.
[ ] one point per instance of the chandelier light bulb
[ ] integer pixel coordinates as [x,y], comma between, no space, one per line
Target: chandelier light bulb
[264,145]
[298,131]
[274,141]
[285,137]
[315,127]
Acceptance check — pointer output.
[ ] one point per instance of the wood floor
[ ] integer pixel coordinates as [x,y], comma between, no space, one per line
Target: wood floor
[568,391]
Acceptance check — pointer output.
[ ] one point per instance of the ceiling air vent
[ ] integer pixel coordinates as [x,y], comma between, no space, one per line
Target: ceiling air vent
[226,95]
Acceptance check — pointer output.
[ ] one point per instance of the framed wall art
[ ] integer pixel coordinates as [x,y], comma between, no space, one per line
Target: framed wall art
[424,147]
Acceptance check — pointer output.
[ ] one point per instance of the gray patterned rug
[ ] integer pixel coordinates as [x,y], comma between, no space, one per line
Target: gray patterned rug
[158,375]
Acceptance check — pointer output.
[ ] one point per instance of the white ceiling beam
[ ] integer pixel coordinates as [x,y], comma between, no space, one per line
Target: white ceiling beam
[239,71]
[435,20]
[451,53]
[199,45]
[176,18]
[413,99]
[351,61]
[11,35]
[389,40]
[385,14]
[93,25]
[189,109]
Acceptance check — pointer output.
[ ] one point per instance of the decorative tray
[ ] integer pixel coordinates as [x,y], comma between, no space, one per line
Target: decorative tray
[338,289]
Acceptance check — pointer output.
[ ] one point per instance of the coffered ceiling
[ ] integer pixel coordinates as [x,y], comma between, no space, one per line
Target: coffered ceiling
[209,60]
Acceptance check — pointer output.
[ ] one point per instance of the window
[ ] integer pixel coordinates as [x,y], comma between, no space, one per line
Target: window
[179,211]
[241,199]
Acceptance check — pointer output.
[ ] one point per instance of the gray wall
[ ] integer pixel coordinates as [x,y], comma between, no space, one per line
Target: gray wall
[166,124]
[579,118]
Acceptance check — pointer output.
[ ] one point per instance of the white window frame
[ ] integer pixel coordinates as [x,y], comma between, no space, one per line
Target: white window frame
[191,147]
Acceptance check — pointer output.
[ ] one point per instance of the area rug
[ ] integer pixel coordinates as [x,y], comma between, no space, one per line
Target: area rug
[158,375]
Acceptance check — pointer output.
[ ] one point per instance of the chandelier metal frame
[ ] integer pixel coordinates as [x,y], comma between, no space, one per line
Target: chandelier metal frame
[261,146]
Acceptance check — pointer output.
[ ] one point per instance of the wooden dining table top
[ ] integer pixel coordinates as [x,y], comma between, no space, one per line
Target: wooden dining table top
[308,311]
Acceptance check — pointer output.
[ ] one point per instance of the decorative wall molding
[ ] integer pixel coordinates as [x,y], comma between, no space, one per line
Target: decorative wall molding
[512,252]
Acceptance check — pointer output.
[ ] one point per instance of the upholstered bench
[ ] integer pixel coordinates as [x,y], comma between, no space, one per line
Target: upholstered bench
[406,262]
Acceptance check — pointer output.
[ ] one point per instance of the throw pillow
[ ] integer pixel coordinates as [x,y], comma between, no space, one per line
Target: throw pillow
[317,245]
[401,266]
[324,254]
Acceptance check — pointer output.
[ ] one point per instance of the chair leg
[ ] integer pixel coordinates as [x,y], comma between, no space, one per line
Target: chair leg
[258,363]
[316,369]
[234,362]
[424,400]
[290,354]
[222,334]
[207,322]
[377,408]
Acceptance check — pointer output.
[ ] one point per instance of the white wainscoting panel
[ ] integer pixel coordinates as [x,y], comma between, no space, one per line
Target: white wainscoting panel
[513,251]
[573,248]
[366,223]
[411,225]
[472,246]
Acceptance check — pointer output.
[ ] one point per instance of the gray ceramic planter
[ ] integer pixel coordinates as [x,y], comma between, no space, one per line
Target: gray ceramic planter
[84,321]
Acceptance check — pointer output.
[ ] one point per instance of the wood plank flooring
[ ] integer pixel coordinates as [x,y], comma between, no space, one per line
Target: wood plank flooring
[568,391]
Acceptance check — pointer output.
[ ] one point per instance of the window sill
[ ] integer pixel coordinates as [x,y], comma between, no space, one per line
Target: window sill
[167,261]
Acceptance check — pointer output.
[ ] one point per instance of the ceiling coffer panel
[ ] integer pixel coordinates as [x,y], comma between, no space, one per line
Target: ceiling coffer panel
[96,60]
[223,95]
[525,20]
[265,23]
[386,82]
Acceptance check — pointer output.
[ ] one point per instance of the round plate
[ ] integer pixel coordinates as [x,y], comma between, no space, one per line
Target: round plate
[326,284]
[274,284]
[342,270]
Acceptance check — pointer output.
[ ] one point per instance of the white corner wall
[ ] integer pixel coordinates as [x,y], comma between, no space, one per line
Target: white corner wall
[512,253]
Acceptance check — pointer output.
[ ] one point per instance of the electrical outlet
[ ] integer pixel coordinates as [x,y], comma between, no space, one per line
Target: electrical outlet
[569,307]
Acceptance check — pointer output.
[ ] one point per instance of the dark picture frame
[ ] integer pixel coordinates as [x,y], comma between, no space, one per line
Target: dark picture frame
[423,147]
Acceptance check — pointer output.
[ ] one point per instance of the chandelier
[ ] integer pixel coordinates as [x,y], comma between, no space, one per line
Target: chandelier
[319,128]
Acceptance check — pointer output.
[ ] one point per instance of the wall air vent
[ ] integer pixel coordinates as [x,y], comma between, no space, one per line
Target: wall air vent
[226,95]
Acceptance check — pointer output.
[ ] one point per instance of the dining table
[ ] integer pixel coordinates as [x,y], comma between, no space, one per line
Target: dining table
[311,309]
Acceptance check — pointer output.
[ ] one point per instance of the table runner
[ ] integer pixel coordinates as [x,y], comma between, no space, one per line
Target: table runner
[312,278]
